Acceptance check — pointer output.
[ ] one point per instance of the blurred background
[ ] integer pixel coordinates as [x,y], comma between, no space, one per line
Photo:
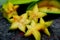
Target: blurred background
[6,34]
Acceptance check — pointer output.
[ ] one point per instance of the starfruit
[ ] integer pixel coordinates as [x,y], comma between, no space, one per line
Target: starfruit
[19,22]
[35,27]
[50,6]
[35,14]
[9,10]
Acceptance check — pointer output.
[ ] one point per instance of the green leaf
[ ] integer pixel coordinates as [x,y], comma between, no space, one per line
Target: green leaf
[22,1]
[31,6]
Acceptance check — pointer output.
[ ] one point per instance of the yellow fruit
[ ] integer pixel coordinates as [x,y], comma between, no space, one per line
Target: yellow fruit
[35,27]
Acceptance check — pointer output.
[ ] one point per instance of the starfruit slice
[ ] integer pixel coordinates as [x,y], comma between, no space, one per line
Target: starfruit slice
[35,27]
[20,21]
[35,14]
[9,10]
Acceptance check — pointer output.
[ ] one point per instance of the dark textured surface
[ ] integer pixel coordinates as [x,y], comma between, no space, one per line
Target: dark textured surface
[5,34]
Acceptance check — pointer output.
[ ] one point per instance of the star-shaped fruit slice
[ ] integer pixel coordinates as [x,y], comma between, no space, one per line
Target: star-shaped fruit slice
[35,27]
[19,22]
[32,30]
[35,14]
[9,10]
